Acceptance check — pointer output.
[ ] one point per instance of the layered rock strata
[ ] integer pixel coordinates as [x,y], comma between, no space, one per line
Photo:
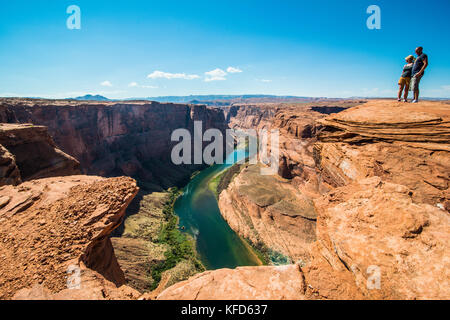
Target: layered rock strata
[270,212]
[28,152]
[276,213]
[53,224]
[403,144]
[383,226]
[117,138]
[246,283]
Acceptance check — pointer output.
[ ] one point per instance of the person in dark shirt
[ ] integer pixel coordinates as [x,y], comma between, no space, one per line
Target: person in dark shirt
[405,79]
[417,71]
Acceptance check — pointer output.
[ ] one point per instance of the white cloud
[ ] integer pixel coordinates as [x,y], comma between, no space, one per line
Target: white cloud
[446,88]
[233,70]
[266,80]
[215,75]
[136,85]
[106,84]
[167,75]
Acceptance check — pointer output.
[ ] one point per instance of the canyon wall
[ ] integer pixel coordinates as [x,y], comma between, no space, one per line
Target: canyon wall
[114,139]
[109,139]
[51,225]
[55,223]
[360,204]
[28,152]
[276,213]
[297,126]
[381,200]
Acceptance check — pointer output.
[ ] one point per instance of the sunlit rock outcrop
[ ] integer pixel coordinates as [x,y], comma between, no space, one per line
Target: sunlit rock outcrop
[382,201]
[51,224]
[28,152]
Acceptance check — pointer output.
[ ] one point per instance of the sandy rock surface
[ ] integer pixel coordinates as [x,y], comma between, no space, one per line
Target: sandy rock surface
[379,183]
[50,224]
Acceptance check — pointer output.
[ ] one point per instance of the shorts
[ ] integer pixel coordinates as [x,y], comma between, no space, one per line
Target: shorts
[415,83]
[404,81]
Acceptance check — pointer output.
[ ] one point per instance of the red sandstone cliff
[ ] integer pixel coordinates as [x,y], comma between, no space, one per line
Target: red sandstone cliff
[55,220]
[367,195]
[9,172]
[269,210]
[27,152]
[48,225]
[380,190]
[113,139]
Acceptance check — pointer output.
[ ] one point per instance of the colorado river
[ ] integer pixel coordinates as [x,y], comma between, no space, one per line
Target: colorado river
[217,244]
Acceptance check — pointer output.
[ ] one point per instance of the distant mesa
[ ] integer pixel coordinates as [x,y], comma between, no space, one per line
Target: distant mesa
[90,97]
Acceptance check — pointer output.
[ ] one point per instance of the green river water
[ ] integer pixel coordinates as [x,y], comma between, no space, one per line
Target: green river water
[217,244]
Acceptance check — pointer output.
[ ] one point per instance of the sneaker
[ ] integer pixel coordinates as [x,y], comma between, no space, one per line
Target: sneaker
[399,100]
[414,101]
[405,100]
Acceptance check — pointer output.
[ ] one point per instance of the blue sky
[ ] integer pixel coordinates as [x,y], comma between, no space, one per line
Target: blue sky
[153,48]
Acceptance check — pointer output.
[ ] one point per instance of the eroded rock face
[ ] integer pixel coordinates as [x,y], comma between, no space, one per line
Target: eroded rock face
[426,122]
[9,172]
[404,144]
[50,224]
[381,197]
[94,287]
[365,209]
[6,115]
[138,248]
[269,211]
[249,116]
[298,131]
[393,248]
[114,139]
[28,152]
[395,224]
[247,283]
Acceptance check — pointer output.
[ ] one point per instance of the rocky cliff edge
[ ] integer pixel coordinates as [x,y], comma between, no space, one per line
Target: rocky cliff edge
[53,228]
[28,152]
[379,187]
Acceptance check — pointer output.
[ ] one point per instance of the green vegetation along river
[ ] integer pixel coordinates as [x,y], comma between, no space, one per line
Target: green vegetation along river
[217,244]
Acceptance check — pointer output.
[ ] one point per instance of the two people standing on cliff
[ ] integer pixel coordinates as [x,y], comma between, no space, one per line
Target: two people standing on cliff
[413,72]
